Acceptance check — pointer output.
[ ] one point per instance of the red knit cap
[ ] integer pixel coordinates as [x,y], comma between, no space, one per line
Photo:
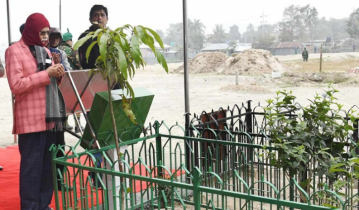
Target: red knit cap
[34,24]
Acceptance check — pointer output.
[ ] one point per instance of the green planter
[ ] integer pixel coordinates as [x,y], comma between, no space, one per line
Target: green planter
[100,117]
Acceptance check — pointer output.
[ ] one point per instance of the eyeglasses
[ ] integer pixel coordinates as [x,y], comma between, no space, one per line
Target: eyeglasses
[43,33]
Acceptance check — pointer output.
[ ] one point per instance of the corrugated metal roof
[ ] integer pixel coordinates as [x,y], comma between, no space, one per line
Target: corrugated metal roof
[215,47]
[348,42]
[143,46]
[282,45]
[242,46]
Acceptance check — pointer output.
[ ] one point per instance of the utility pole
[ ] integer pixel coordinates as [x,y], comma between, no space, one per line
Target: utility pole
[60,15]
[263,22]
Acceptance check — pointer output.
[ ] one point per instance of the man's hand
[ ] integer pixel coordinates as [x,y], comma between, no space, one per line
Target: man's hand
[56,57]
[56,71]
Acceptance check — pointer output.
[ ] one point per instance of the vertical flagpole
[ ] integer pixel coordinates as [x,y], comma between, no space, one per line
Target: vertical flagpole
[9,37]
[60,15]
[186,95]
[8,21]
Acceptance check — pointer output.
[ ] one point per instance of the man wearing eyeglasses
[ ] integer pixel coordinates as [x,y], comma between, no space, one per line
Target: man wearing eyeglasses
[39,109]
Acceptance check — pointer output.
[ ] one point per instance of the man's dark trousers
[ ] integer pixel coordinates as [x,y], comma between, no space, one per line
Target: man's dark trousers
[36,186]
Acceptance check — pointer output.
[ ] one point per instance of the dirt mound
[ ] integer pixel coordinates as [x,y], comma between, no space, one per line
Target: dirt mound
[205,63]
[253,62]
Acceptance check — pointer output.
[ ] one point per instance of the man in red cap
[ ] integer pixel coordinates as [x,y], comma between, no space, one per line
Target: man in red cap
[39,109]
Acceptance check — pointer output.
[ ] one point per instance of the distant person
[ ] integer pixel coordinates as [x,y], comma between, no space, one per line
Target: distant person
[55,39]
[296,50]
[39,110]
[98,18]
[305,55]
[72,55]
[73,59]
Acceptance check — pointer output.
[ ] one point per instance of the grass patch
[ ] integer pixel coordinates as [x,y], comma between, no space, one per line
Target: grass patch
[327,66]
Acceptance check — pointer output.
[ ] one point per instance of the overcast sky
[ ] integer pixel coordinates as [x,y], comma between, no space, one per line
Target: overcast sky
[158,14]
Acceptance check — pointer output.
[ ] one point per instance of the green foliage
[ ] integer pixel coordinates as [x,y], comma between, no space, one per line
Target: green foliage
[120,55]
[219,35]
[346,173]
[234,33]
[353,24]
[298,23]
[264,42]
[196,35]
[309,140]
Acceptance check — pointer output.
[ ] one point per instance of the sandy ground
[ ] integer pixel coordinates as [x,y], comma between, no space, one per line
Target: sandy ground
[206,92]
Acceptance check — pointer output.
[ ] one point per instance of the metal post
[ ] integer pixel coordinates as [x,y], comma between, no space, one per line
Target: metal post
[8,21]
[249,129]
[9,39]
[159,150]
[60,15]
[321,58]
[83,109]
[186,94]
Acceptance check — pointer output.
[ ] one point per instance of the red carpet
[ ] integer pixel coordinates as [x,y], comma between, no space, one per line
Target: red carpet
[9,179]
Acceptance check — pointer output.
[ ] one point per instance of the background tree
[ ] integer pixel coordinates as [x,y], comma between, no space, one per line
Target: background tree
[353,24]
[310,19]
[160,33]
[263,42]
[234,33]
[174,35]
[298,23]
[219,35]
[335,28]
[288,24]
[196,34]
[249,35]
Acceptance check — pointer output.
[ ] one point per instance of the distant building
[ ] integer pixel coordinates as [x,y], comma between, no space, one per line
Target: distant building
[150,58]
[217,47]
[242,47]
[285,48]
[347,45]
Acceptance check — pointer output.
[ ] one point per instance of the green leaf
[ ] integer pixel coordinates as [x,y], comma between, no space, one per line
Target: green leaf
[97,32]
[136,53]
[140,33]
[103,46]
[122,60]
[89,50]
[80,42]
[161,60]
[157,37]
[132,93]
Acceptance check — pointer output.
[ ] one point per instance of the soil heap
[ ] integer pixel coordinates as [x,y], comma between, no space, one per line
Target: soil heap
[253,62]
[207,62]
[248,62]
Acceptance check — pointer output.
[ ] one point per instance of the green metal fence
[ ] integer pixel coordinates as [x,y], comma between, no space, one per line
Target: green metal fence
[155,175]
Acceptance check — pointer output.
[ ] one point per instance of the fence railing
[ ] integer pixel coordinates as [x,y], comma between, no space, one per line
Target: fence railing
[225,172]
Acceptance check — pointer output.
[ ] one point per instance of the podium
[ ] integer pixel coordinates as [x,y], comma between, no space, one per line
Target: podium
[83,92]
